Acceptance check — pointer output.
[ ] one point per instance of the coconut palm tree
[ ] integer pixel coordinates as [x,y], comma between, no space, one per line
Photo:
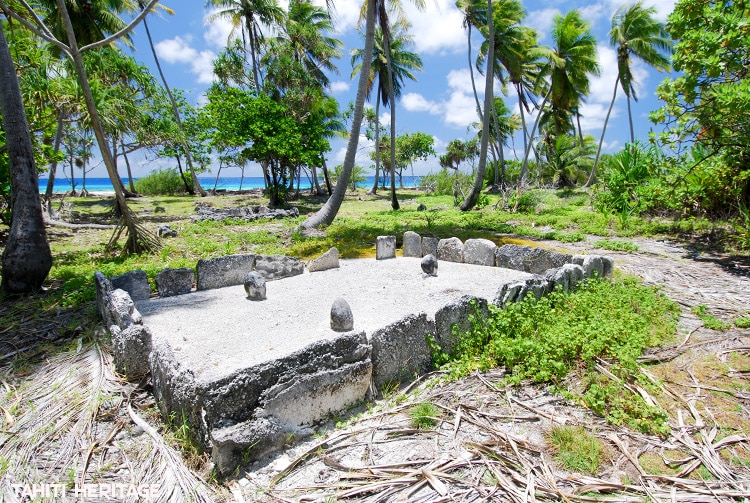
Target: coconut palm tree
[183,139]
[26,258]
[635,33]
[404,63]
[249,17]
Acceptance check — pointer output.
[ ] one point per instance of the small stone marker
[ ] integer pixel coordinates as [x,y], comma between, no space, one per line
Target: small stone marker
[329,260]
[255,286]
[451,250]
[385,247]
[412,244]
[165,231]
[421,207]
[430,265]
[342,319]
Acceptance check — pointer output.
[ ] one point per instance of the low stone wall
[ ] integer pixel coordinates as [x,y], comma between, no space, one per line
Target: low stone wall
[253,411]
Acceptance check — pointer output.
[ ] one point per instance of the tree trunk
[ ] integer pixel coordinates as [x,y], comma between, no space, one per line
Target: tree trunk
[527,151]
[473,196]
[185,146]
[188,186]
[327,177]
[630,119]
[327,213]
[389,66]
[53,167]
[374,189]
[137,239]
[592,176]
[26,259]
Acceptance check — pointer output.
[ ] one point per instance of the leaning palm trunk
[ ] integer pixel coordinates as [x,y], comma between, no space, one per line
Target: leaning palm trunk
[27,258]
[138,239]
[592,176]
[473,196]
[392,98]
[527,151]
[185,146]
[327,213]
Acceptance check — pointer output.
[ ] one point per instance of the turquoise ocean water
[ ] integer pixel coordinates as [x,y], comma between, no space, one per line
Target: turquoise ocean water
[224,183]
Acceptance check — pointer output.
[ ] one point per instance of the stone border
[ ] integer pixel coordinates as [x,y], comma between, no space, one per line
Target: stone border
[252,412]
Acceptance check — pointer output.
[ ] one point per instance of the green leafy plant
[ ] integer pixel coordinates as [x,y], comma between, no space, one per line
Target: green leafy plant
[616,245]
[710,321]
[742,322]
[160,182]
[576,449]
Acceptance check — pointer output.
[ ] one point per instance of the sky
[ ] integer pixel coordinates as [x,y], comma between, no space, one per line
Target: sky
[440,103]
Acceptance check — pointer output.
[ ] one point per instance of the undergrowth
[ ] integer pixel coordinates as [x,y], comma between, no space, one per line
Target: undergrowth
[544,340]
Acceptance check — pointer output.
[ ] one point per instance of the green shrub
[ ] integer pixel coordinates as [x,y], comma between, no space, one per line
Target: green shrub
[160,182]
[424,415]
[576,449]
[444,182]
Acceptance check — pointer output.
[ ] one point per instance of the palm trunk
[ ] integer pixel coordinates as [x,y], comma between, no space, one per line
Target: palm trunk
[26,258]
[471,74]
[327,177]
[137,240]
[374,189]
[185,146]
[53,167]
[527,151]
[473,196]
[327,213]
[131,182]
[630,119]
[392,98]
[592,176]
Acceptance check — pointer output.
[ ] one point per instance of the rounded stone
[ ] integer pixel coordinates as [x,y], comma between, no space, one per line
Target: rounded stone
[342,319]
[429,265]
[255,286]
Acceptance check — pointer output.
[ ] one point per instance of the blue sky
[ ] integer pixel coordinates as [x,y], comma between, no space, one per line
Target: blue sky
[440,102]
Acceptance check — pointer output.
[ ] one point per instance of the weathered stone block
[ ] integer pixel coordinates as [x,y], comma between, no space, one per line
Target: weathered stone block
[429,246]
[103,289]
[511,256]
[533,259]
[224,271]
[456,314]
[593,265]
[170,282]
[412,244]
[165,231]
[429,265]
[329,260]
[385,247]
[517,291]
[342,319]
[566,277]
[400,351]
[133,282]
[121,310]
[479,252]
[255,286]
[246,441]
[131,348]
[278,266]
[450,250]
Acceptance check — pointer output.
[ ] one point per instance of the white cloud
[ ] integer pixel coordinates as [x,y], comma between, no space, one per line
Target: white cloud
[414,102]
[541,21]
[345,13]
[603,86]
[593,115]
[216,33]
[437,28]
[460,80]
[339,86]
[178,50]
[460,110]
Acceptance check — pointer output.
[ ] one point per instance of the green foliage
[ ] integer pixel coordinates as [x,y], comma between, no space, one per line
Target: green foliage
[742,322]
[623,177]
[424,415]
[525,203]
[160,182]
[357,175]
[709,320]
[544,340]
[576,449]
[444,182]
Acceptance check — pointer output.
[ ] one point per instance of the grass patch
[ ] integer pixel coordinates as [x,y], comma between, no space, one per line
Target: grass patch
[424,415]
[576,449]
[616,245]
[742,322]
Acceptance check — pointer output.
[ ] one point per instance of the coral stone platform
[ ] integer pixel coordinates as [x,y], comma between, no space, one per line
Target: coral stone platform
[245,374]
[217,332]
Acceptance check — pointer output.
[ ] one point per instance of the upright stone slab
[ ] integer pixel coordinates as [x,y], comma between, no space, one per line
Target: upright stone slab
[385,247]
[566,277]
[400,352]
[450,250]
[456,314]
[329,260]
[278,266]
[121,311]
[479,252]
[592,265]
[224,271]
[133,282]
[412,244]
[103,289]
[541,259]
[171,282]
[429,246]
[131,348]
[255,286]
[512,256]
